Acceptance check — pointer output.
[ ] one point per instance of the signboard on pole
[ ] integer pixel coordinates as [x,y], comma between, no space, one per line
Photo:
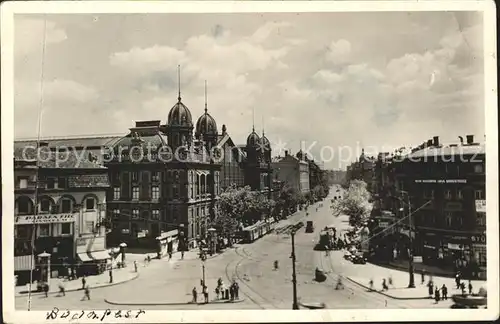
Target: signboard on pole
[481,206]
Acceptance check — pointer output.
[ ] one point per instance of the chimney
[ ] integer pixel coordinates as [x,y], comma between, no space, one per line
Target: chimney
[429,143]
[224,129]
[286,153]
[470,139]
[435,141]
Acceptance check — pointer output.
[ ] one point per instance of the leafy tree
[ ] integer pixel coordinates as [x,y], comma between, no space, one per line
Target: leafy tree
[354,203]
[289,198]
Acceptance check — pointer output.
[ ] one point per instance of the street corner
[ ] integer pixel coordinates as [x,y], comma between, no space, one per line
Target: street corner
[398,293]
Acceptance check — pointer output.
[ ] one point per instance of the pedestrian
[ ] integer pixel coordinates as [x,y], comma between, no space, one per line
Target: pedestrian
[384,285]
[62,291]
[46,289]
[390,281]
[217,292]
[436,295]
[444,291]
[205,294]
[149,259]
[169,256]
[236,290]
[371,284]
[84,281]
[219,282]
[110,276]
[431,288]
[470,287]
[462,287]
[276,264]
[339,285]
[422,276]
[231,292]
[135,265]
[86,293]
[182,255]
[457,280]
[195,295]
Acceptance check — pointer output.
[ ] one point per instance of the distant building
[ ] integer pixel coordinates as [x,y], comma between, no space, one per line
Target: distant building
[70,217]
[362,169]
[292,170]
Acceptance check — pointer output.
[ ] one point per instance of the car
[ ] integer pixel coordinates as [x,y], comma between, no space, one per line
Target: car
[358,258]
[347,255]
[309,227]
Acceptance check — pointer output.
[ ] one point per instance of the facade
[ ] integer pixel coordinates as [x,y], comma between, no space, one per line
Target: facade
[257,166]
[69,223]
[232,162]
[293,171]
[363,169]
[446,192]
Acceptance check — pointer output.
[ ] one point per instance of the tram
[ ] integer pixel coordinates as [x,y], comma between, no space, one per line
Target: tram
[255,231]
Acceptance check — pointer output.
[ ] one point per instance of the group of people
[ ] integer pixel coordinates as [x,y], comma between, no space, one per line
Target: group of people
[385,283]
[220,292]
[62,289]
[442,293]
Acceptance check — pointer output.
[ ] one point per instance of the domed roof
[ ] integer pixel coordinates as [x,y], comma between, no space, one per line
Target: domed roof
[206,125]
[265,141]
[253,139]
[180,115]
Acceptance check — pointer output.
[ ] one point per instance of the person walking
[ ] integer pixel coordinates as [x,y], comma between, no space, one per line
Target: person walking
[84,281]
[470,287]
[46,289]
[436,295]
[444,291]
[371,284]
[62,290]
[236,290]
[422,276]
[231,292]
[462,287]
[457,280]
[390,281]
[195,295]
[430,285]
[135,265]
[86,293]
[149,259]
[205,293]
[217,292]
[384,285]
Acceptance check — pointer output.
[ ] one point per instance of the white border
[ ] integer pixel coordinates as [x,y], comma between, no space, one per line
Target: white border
[8,9]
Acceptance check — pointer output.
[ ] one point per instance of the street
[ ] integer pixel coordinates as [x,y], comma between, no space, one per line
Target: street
[167,284]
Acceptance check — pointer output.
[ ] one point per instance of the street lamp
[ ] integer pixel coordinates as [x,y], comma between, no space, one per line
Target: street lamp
[295,304]
[411,270]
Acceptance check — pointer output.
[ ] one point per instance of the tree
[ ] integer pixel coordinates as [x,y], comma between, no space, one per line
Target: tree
[289,198]
[238,207]
[319,191]
[354,203]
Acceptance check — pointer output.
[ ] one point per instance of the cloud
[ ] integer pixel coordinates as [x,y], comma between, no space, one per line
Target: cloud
[339,52]
[30,33]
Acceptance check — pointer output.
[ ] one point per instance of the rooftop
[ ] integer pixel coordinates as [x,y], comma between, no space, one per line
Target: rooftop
[448,150]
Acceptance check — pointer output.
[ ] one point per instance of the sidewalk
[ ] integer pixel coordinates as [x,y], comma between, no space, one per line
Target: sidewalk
[120,276]
[403,265]
[400,280]
[174,303]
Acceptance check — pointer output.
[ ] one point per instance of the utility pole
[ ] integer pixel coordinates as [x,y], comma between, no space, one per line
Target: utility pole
[294,276]
[411,270]
[203,269]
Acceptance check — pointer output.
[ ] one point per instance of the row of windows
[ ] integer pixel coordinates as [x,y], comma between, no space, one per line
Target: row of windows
[46,205]
[448,194]
[50,182]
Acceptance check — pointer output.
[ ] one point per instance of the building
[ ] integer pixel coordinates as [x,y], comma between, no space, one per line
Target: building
[292,170]
[362,169]
[232,170]
[445,188]
[257,166]
[62,200]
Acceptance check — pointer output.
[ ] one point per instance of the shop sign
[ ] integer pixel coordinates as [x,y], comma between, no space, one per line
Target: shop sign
[453,246]
[429,246]
[44,219]
[383,224]
[417,259]
[125,231]
[481,206]
[478,239]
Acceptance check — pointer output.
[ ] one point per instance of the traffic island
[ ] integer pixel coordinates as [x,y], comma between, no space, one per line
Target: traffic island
[160,303]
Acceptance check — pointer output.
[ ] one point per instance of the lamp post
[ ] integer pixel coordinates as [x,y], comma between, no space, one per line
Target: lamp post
[411,271]
[295,304]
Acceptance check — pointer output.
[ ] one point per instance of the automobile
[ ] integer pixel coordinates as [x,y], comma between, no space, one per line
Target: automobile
[347,255]
[358,259]
[309,227]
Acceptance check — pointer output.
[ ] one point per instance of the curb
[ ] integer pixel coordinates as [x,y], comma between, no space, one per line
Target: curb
[174,304]
[386,295]
[78,289]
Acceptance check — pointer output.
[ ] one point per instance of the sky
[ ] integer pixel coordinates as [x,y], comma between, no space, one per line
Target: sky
[377,80]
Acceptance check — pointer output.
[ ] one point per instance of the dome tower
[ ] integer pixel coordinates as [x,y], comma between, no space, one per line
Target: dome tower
[206,127]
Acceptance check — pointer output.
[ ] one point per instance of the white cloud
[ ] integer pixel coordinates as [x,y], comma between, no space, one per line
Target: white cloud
[339,52]
[30,33]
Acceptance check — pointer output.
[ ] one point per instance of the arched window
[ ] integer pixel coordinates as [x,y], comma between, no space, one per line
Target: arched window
[66,204]
[203,184]
[198,185]
[89,202]
[24,206]
[46,204]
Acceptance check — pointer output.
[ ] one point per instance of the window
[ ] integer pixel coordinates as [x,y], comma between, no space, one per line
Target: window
[176,191]
[459,194]
[448,219]
[135,193]
[460,221]
[43,229]
[24,205]
[90,204]
[23,182]
[478,168]
[156,176]
[134,176]
[145,215]
[66,205]
[66,228]
[116,193]
[155,215]
[51,183]
[447,194]
[89,226]
[45,205]
[481,219]
[61,182]
[479,194]
[116,213]
[155,190]
[135,214]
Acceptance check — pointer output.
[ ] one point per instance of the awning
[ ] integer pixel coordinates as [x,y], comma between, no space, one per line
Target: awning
[94,256]
[24,263]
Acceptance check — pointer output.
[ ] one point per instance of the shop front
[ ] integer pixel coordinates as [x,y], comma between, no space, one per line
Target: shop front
[167,243]
[92,255]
